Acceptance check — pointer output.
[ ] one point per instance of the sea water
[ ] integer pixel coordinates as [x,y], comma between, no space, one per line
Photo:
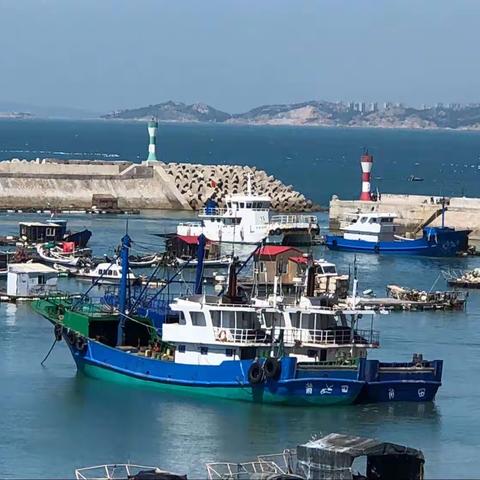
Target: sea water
[53,420]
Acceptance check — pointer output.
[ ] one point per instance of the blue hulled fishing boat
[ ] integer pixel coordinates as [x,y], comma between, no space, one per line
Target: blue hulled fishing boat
[377,233]
[272,351]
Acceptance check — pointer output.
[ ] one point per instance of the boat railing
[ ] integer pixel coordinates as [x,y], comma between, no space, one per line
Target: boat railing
[293,220]
[228,212]
[189,224]
[110,471]
[241,335]
[338,336]
[240,471]
[298,336]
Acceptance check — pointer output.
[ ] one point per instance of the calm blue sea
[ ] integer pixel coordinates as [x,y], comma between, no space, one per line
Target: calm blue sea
[319,162]
[53,420]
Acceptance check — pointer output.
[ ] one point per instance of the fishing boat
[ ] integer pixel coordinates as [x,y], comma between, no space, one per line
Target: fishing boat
[53,254]
[104,272]
[226,347]
[414,178]
[329,457]
[195,354]
[246,219]
[182,250]
[54,230]
[319,332]
[377,233]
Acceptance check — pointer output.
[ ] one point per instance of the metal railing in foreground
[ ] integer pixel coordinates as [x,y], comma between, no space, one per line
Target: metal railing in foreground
[120,471]
[282,463]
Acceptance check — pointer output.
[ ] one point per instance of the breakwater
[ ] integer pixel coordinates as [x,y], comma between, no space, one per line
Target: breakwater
[70,184]
[413,211]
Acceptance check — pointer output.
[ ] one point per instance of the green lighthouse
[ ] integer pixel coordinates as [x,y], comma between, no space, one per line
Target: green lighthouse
[152,133]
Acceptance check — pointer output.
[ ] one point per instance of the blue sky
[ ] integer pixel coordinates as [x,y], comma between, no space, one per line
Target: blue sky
[236,54]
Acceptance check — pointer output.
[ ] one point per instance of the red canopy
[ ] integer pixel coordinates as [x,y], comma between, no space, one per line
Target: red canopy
[274,250]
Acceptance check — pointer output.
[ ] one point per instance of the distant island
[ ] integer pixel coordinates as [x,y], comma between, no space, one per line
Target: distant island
[317,113]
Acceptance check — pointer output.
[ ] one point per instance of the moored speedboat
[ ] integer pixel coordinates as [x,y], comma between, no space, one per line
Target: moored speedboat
[377,233]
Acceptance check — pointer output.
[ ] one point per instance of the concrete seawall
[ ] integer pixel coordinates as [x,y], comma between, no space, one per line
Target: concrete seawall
[52,183]
[412,211]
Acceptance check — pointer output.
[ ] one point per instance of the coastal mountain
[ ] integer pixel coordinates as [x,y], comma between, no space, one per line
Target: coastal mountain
[172,112]
[315,113]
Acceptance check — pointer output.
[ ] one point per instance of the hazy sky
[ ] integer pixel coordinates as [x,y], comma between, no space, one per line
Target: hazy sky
[237,54]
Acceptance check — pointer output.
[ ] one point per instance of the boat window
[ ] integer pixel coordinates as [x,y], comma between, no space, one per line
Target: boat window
[229,204]
[282,267]
[100,271]
[274,318]
[204,350]
[198,319]
[372,220]
[387,220]
[246,320]
[181,349]
[50,232]
[249,205]
[307,321]
[311,353]
[295,319]
[215,314]
[181,319]
[229,352]
[363,219]
[242,205]
[262,267]
[329,269]
[41,280]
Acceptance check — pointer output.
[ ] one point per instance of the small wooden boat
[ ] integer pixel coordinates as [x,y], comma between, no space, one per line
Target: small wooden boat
[56,256]
[413,178]
[222,262]
[145,261]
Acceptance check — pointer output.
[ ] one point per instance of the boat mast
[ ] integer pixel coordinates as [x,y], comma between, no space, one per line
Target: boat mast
[199,269]
[122,293]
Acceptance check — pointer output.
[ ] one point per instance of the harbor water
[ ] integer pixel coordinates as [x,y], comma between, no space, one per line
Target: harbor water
[54,420]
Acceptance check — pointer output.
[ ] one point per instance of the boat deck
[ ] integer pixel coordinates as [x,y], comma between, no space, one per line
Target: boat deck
[395,304]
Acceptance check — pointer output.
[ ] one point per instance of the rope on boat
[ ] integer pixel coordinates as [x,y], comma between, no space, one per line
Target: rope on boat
[49,352]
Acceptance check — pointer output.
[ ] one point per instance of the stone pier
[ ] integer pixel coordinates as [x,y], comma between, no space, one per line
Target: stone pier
[71,184]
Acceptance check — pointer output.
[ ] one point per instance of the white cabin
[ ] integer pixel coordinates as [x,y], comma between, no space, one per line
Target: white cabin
[30,280]
[372,227]
[209,332]
[106,272]
[246,219]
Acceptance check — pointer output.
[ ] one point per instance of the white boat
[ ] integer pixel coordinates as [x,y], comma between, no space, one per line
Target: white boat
[105,272]
[222,262]
[55,256]
[125,471]
[246,219]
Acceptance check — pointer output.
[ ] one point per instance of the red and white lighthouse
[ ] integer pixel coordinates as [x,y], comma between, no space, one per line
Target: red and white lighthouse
[366,161]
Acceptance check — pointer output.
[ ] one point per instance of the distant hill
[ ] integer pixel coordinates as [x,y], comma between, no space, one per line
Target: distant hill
[320,113]
[25,110]
[173,112]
